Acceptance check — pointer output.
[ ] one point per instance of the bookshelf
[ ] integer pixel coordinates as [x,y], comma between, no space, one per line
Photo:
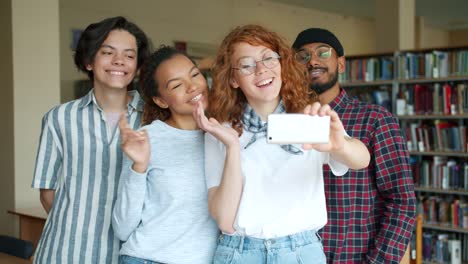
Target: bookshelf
[442,191]
[364,83]
[427,90]
[439,153]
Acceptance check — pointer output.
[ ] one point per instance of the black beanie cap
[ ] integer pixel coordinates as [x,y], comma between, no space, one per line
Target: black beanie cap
[313,35]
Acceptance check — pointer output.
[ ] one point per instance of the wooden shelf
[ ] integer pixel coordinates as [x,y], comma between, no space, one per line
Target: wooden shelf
[425,50]
[431,117]
[441,191]
[433,80]
[31,223]
[440,153]
[445,228]
[367,55]
[366,84]
[435,262]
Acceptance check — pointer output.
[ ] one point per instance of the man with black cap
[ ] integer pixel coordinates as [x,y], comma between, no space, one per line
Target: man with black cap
[371,212]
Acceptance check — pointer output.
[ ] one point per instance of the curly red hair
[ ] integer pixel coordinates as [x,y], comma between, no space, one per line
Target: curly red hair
[227,104]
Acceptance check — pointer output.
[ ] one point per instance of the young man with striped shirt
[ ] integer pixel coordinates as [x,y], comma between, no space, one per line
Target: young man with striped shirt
[79,157]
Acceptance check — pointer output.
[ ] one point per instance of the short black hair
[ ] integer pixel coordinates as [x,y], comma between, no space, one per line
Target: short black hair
[94,35]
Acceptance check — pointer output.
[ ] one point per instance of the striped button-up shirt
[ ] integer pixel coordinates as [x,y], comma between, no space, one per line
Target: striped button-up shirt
[371,212]
[80,158]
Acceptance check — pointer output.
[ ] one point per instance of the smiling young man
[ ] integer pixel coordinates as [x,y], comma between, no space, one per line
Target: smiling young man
[79,157]
[371,212]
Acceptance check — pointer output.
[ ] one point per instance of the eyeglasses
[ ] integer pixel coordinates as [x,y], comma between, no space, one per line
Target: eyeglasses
[248,65]
[304,56]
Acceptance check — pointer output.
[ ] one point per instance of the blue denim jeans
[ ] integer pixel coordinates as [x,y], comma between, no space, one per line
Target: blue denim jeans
[124,259]
[301,248]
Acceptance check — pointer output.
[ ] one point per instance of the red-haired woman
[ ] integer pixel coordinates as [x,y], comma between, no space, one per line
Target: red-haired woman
[267,199]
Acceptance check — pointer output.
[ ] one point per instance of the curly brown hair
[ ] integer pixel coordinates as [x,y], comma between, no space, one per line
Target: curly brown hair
[227,104]
[149,86]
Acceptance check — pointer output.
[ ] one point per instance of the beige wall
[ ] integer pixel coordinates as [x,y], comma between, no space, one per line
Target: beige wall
[458,37]
[7,200]
[430,37]
[205,21]
[433,38]
[395,24]
[36,81]
[387,25]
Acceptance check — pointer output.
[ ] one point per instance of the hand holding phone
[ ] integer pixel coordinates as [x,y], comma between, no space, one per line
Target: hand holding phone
[298,129]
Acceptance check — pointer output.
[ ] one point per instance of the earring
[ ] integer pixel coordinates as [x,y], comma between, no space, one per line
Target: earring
[233,84]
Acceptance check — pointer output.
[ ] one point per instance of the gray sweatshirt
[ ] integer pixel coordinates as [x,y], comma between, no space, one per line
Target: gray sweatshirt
[162,215]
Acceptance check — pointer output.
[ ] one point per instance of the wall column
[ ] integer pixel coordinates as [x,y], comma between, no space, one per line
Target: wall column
[36,86]
[395,25]
[7,200]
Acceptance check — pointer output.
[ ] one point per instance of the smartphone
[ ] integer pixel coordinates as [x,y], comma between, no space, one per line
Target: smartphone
[298,129]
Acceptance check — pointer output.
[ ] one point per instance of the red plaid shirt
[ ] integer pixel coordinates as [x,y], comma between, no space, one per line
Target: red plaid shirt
[371,212]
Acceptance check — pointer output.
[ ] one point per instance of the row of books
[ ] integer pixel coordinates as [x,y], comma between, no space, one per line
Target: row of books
[442,248]
[380,96]
[440,173]
[437,98]
[441,135]
[443,211]
[368,69]
[434,64]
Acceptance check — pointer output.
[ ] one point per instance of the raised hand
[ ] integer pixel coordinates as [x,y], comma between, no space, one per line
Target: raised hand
[135,144]
[225,134]
[337,139]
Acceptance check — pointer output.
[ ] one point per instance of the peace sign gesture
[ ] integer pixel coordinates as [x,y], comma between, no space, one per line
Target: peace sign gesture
[135,144]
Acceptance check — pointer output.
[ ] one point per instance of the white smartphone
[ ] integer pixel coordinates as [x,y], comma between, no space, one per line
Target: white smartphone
[298,129]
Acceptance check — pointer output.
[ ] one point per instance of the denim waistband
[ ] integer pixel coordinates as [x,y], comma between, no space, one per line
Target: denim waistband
[290,241]
[134,260]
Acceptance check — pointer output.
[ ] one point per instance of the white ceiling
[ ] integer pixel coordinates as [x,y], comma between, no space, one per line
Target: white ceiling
[442,14]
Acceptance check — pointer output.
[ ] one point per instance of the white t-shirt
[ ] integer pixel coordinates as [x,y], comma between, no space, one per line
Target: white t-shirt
[112,119]
[283,193]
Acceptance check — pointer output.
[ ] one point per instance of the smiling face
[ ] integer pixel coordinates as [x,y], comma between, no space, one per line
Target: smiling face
[263,85]
[181,85]
[115,63]
[323,72]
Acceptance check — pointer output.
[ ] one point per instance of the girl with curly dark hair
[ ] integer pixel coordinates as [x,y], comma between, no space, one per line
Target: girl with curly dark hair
[267,199]
[161,212]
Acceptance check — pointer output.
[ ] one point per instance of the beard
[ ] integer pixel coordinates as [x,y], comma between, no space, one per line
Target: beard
[320,88]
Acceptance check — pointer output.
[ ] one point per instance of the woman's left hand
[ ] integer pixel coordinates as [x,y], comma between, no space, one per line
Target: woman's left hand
[225,134]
